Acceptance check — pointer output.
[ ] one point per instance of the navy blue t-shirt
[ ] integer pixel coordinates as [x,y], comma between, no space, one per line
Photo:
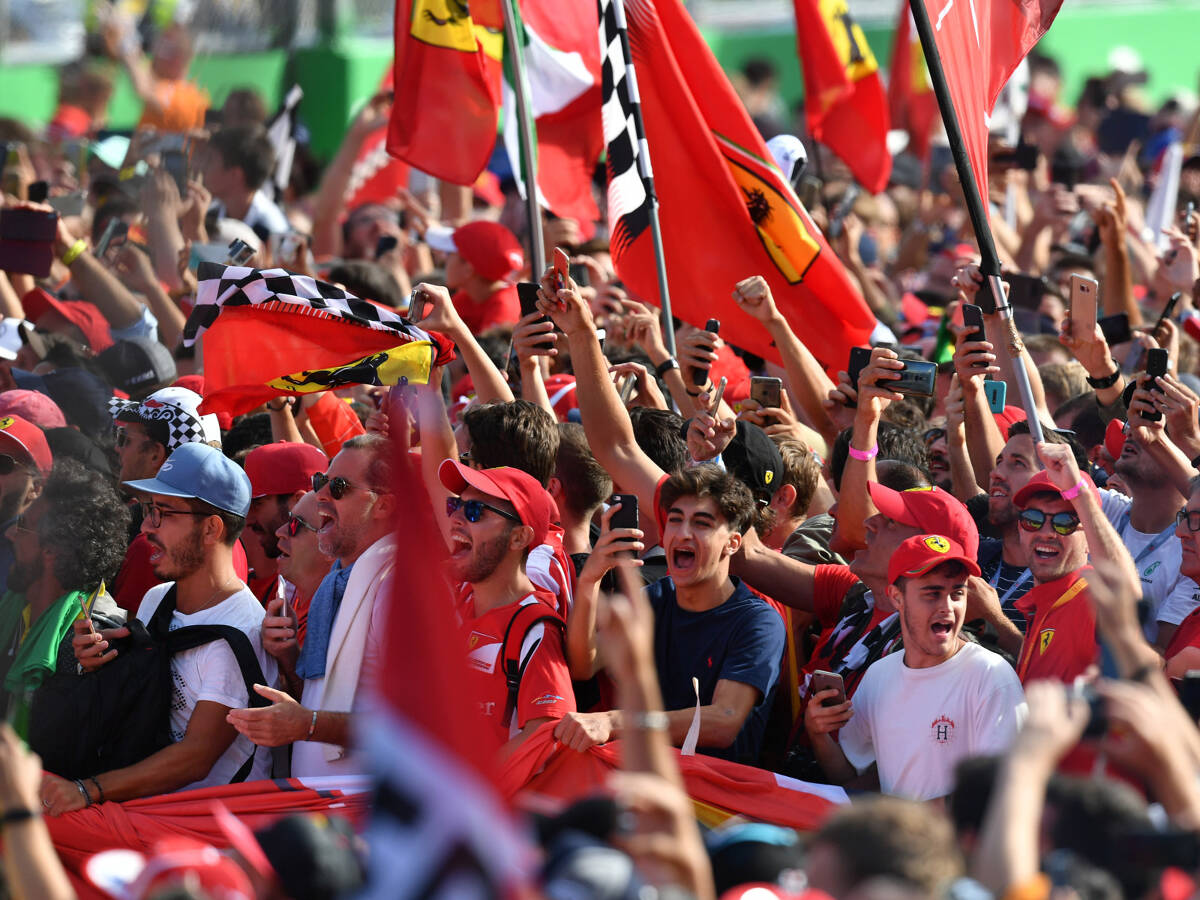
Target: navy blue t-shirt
[741,640]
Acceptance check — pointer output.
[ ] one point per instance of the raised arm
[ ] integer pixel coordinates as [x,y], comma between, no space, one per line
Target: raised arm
[441,316]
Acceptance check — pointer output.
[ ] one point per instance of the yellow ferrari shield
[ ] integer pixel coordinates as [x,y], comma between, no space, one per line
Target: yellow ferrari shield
[937,543]
[1044,639]
[409,362]
[444,23]
[848,39]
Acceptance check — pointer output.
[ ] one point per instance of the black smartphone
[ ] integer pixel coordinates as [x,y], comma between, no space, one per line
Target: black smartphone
[1025,291]
[38,191]
[1168,310]
[627,515]
[115,230]
[385,244]
[860,358]
[917,378]
[1158,361]
[176,165]
[837,218]
[700,376]
[527,293]
[973,319]
[1115,329]
[1065,171]
[766,391]
[580,274]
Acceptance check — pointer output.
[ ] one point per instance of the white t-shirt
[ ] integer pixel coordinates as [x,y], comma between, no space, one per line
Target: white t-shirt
[917,724]
[1172,596]
[211,672]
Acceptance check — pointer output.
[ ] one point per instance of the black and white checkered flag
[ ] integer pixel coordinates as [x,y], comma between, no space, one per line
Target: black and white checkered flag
[630,181]
[223,286]
[281,131]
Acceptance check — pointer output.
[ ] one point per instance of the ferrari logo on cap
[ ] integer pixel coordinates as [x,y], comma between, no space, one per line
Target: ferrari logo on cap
[937,543]
[1044,639]
[913,489]
[5,422]
[768,477]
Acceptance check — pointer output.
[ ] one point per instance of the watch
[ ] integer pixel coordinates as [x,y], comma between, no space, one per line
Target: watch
[1106,382]
[666,366]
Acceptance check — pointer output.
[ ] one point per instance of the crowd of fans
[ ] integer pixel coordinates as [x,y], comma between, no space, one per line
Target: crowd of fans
[990,641]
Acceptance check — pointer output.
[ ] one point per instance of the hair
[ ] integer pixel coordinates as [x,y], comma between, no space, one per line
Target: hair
[1064,381]
[758,71]
[380,467]
[657,434]
[518,434]
[234,524]
[908,415]
[900,476]
[248,148]
[894,443]
[1053,436]
[585,484]
[1045,343]
[117,206]
[86,522]
[243,106]
[730,494]
[246,433]
[893,838]
[1084,418]
[368,280]
[800,469]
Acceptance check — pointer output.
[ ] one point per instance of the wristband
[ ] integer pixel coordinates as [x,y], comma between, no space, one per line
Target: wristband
[864,455]
[99,790]
[87,798]
[1106,382]
[74,252]
[312,726]
[1073,492]
[666,366]
[13,816]
[655,720]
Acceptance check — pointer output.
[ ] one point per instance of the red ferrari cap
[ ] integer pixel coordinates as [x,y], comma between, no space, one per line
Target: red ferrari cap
[26,442]
[534,506]
[1114,438]
[491,249]
[83,315]
[283,468]
[924,552]
[1041,484]
[930,509]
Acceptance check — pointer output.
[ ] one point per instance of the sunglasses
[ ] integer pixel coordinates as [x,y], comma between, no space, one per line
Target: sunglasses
[1063,523]
[295,523]
[9,464]
[473,509]
[153,513]
[1192,517]
[339,487]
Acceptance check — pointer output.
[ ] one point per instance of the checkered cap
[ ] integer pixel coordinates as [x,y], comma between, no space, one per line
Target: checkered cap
[177,408]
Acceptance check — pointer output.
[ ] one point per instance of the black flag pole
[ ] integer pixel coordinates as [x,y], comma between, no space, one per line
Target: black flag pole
[989,263]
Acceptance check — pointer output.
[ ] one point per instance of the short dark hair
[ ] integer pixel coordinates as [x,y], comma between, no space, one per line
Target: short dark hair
[86,522]
[234,524]
[368,280]
[246,105]
[381,466]
[518,434]
[657,434]
[894,443]
[731,495]
[585,483]
[1055,436]
[248,148]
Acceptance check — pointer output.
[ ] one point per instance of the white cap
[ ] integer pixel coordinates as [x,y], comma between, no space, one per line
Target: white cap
[441,238]
[789,153]
[10,336]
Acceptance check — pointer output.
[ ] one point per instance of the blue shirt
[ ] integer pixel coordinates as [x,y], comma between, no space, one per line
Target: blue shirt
[741,640]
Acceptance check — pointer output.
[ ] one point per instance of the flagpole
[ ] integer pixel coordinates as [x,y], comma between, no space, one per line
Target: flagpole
[647,173]
[533,210]
[989,260]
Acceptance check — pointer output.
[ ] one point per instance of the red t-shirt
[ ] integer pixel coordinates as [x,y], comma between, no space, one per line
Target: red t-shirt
[546,684]
[1060,640]
[1186,635]
[503,307]
[136,575]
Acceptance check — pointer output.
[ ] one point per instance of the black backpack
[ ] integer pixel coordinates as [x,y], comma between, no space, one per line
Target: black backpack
[82,725]
[522,622]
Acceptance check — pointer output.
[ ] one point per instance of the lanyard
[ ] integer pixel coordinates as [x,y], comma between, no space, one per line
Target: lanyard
[1012,588]
[1158,541]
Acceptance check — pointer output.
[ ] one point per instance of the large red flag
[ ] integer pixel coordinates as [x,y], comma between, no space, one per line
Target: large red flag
[981,43]
[911,101]
[843,101]
[447,87]
[727,211]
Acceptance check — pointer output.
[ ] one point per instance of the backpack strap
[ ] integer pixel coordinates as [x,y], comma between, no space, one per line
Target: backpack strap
[159,625]
[523,621]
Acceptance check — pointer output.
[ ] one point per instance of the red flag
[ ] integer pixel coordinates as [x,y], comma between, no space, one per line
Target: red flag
[727,211]
[911,100]
[376,177]
[843,100]
[447,87]
[981,43]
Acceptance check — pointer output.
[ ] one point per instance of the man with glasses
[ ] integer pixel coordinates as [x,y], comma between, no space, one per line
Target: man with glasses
[356,514]
[1061,523]
[25,462]
[302,565]
[1183,652]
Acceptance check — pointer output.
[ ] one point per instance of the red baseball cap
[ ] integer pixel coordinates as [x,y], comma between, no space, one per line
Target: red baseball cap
[83,315]
[1114,438]
[283,468]
[1041,484]
[491,249]
[534,506]
[26,442]
[930,509]
[923,552]
[1007,419]
[32,406]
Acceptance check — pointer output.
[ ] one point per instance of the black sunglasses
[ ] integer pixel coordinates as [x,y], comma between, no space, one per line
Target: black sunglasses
[1192,517]
[473,509]
[339,487]
[295,523]
[1063,523]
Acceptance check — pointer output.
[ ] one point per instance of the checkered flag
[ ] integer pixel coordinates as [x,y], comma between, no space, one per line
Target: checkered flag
[630,180]
[222,287]
[281,131]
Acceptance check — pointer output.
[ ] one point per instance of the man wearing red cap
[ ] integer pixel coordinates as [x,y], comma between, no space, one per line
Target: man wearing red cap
[1061,523]
[481,259]
[25,462]
[918,713]
[496,517]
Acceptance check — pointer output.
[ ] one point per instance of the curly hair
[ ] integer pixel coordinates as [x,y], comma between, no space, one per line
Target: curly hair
[85,523]
[731,495]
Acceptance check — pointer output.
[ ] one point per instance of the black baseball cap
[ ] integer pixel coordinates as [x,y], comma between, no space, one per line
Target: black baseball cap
[138,366]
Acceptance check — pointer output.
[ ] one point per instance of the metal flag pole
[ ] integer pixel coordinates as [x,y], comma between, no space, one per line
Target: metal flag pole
[525,137]
[990,262]
[647,173]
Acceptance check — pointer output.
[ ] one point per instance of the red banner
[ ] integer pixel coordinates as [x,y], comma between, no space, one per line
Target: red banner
[911,100]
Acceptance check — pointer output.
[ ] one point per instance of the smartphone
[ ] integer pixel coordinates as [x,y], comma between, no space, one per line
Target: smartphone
[68,205]
[837,218]
[416,305]
[239,253]
[973,318]
[628,384]
[1167,313]
[860,358]
[917,378]
[38,191]
[1115,329]
[176,165]
[1158,361]
[386,244]
[1025,291]
[527,292]
[27,257]
[627,515]
[32,225]
[996,393]
[1065,172]
[822,680]
[700,376]
[1082,307]
[718,396]
[562,266]
[580,274]
[766,391]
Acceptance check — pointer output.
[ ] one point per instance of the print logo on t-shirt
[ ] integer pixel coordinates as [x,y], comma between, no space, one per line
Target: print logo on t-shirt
[1044,639]
[942,730]
[1151,569]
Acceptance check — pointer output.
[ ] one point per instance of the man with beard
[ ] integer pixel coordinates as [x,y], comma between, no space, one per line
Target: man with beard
[66,545]
[280,474]
[356,512]
[196,510]
[25,461]
[918,713]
